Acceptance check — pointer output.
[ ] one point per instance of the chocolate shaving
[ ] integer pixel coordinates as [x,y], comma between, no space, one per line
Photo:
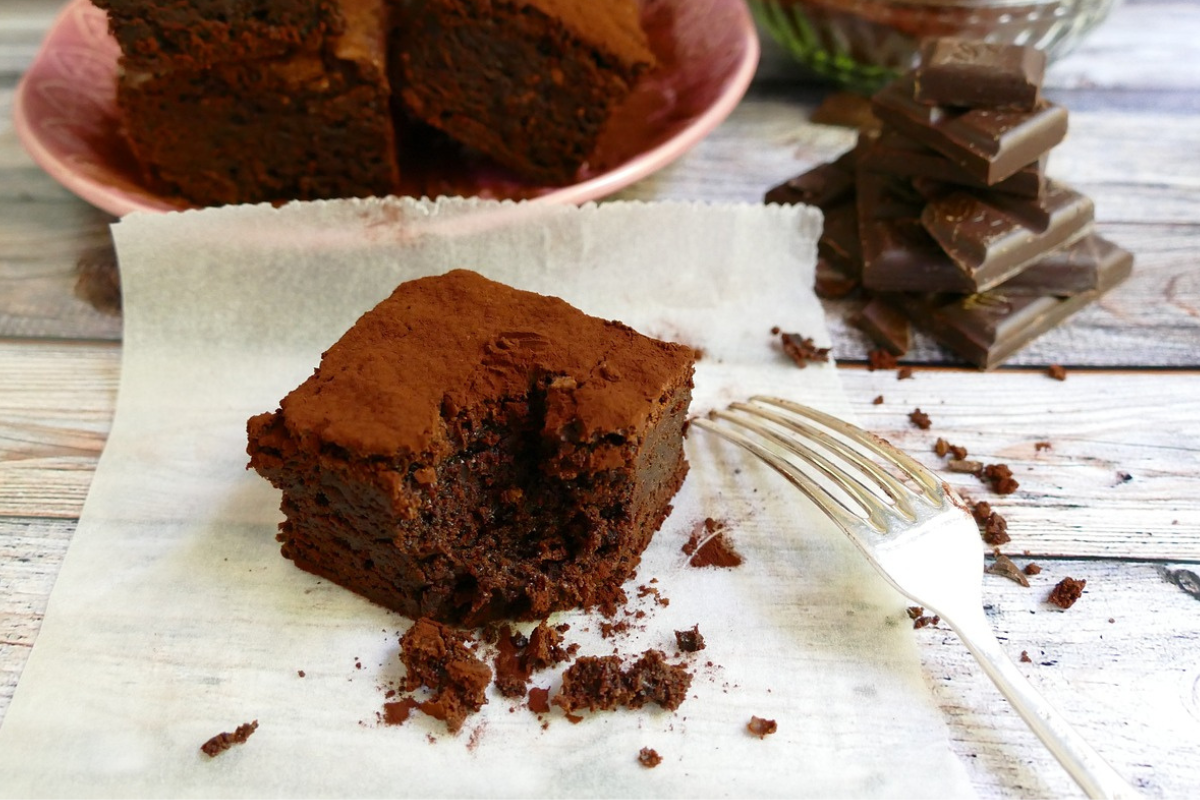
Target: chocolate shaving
[1004,566]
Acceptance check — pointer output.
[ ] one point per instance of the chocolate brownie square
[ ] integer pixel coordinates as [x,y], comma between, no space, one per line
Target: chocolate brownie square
[192,34]
[469,452]
[529,83]
[307,126]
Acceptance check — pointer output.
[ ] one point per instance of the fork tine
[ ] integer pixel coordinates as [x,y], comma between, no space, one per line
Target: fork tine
[909,465]
[791,445]
[833,506]
[869,505]
[894,489]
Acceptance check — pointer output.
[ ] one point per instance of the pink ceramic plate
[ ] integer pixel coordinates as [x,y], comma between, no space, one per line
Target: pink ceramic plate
[65,111]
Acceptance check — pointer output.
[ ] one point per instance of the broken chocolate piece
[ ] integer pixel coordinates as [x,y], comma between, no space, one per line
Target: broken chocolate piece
[822,186]
[985,329]
[976,74]
[1004,566]
[898,254]
[887,326]
[1068,271]
[994,238]
[894,153]
[990,144]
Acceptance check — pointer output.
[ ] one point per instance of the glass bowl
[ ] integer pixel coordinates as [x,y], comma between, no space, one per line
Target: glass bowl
[863,44]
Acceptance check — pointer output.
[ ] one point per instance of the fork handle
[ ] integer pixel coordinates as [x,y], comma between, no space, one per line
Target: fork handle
[1089,769]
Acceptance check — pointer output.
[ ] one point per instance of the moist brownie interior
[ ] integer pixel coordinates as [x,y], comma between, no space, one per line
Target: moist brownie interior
[468,452]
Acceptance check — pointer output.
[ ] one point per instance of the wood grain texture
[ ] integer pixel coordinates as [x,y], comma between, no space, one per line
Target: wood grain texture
[1114,500]
[56,405]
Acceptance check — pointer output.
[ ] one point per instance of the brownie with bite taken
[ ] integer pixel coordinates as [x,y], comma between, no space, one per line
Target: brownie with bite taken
[469,452]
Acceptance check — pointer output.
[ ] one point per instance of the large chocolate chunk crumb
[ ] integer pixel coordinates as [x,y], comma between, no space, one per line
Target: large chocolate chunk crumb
[1066,592]
[600,683]
[437,657]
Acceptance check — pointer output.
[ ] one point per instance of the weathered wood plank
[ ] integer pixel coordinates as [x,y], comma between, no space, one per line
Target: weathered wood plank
[1075,497]
[1131,669]
[56,406]
[1073,502]
[1118,663]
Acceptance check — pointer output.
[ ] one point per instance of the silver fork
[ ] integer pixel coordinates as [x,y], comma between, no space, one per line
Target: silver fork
[917,533]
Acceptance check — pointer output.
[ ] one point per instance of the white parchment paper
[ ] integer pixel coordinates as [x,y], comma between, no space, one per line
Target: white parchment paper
[175,618]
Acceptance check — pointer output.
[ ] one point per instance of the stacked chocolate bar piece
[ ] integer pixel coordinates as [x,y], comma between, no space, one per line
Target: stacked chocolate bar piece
[945,216]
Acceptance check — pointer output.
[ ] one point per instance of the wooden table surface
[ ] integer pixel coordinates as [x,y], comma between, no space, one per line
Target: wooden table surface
[1115,499]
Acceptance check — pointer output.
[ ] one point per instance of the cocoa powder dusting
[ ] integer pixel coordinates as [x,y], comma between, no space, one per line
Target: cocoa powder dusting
[709,547]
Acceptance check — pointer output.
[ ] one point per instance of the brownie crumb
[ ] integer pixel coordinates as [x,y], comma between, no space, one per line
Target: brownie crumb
[397,713]
[539,700]
[690,641]
[880,359]
[904,373]
[981,511]
[762,728]
[1032,568]
[1000,477]
[600,683]
[994,529]
[1004,566]
[915,611]
[1066,592]
[1040,446]
[802,350]
[300,672]
[223,741]
[437,657]
[944,448]
[878,401]
[1025,659]
[922,621]
[775,331]
[1057,371]
[649,758]
[920,419]
[709,547]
